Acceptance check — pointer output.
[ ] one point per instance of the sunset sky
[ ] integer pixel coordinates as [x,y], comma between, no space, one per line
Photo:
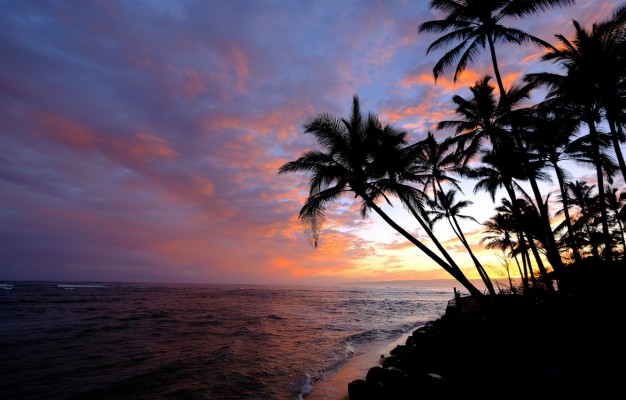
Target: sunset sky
[140,140]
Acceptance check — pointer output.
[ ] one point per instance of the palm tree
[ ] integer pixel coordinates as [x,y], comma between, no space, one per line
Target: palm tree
[445,206]
[472,25]
[499,169]
[498,235]
[578,92]
[609,41]
[550,141]
[435,162]
[487,121]
[616,202]
[581,197]
[484,121]
[398,165]
[349,164]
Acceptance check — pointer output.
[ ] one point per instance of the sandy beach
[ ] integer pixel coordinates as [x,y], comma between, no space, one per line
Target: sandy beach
[335,386]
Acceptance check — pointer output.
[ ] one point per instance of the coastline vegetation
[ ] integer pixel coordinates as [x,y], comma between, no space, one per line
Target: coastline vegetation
[567,248]
[498,142]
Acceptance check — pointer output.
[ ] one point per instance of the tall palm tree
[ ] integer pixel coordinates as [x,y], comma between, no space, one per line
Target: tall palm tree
[485,121]
[550,141]
[578,92]
[349,164]
[499,169]
[609,42]
[472,25]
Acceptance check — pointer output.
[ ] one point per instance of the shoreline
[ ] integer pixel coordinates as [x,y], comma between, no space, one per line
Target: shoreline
[537,345]
[335,386]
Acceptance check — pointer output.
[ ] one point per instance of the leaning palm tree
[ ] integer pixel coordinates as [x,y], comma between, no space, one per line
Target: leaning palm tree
[398,167]
[445,206]
[349,164]
[472,25]
[436,164]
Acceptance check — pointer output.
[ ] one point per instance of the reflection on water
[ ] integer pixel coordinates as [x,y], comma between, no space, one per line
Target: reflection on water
[120,341]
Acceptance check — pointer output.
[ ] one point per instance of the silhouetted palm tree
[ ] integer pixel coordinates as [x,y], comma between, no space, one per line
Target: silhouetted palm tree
[616,203]
[499,169]
[435,164]
[397,166]
[608,39]
[446,206]
[484,121]
[472,25]
[498,235]
[577,94]
[587,216]
[550,141]
[349,164]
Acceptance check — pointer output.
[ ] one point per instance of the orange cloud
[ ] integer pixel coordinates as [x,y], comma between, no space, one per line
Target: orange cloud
[238,61]
[194,83]
[467,78]
[144,146]
[151,146]
[65,130]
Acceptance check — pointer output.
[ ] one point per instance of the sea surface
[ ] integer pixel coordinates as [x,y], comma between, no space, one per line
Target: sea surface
[164,341]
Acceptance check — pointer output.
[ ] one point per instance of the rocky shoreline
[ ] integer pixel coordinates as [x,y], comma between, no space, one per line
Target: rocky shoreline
[562,344]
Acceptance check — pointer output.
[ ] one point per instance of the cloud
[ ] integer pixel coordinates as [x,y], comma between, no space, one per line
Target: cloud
[143,143]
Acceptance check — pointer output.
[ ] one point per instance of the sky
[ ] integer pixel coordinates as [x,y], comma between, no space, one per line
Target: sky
[140,140]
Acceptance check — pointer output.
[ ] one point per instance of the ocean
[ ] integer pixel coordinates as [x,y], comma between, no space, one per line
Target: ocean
[174,341]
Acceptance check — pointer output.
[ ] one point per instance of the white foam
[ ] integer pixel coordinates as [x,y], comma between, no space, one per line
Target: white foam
[73,286]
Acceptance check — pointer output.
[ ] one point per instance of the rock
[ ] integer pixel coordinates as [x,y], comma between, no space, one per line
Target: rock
[375,375]
[359,390]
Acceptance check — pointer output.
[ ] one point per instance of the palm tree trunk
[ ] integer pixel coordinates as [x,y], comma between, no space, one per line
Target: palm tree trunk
[496,70]
[568,220]
[459,234]
[551,249]
[456,273]
[431,235]
[522,239]
[553,254]
[477,264]
[608,251]
[615,135]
